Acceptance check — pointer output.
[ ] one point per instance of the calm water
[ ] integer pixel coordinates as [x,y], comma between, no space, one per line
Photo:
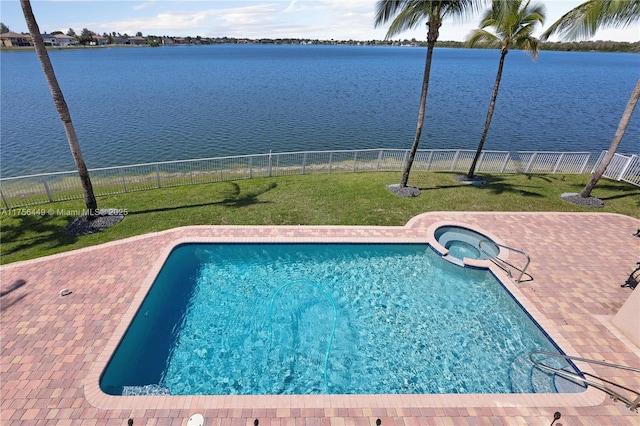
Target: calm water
[144,105]
[325,318]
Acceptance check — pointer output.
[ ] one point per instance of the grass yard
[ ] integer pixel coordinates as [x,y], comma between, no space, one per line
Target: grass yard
[319,199]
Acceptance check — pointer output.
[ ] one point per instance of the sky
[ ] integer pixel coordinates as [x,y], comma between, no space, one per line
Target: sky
[312,19]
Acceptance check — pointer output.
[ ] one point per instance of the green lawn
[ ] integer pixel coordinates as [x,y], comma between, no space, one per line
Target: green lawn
[336,199]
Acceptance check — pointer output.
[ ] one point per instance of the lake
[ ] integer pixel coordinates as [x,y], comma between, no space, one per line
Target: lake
[137,105]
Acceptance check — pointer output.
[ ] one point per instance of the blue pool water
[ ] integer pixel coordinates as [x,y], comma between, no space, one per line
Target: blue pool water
[226,319]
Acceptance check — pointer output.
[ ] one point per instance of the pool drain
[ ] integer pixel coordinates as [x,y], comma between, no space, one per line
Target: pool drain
[196,420]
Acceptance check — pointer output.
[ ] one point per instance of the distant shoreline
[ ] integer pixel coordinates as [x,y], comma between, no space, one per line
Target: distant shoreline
[582,46]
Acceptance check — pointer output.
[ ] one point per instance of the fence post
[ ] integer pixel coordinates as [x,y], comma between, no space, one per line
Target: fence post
[304,162]
[330,161]
[585,163]
[269,163]
[355,157]
[158,176]
[597,163]
[454,162]
[4,201]
[480,159]
[429,160]
[47,190]
[379,160]
[124,182]
[555,169]
[625,167]
[250,167]
[506,161]
[533,157]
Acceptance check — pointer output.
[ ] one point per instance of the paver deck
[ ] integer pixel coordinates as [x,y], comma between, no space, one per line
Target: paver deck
[54,347]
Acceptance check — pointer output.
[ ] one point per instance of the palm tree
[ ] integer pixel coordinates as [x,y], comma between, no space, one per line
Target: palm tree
[61,107]
[513,22]
[408,14]
[582,22]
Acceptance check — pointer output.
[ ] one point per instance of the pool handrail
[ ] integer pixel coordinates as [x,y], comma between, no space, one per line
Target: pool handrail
[614,395]
[495,258]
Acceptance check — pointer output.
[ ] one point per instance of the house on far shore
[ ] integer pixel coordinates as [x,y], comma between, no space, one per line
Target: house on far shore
[98,40]
[15,40]
[65,40]
[24,40]
[138,41]
[49,39]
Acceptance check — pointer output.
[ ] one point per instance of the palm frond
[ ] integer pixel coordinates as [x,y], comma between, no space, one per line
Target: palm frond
[512,22]
[531,45]
[409,14]
[620,13]
[480,37]
[584,20]
[386,10]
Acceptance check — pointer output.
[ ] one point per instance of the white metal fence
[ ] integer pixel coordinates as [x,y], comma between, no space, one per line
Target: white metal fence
[51,187]
[623,167]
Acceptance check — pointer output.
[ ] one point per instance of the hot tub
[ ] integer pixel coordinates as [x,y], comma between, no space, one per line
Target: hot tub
[463,243]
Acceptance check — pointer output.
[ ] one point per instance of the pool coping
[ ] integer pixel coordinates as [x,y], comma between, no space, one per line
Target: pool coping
[96,397]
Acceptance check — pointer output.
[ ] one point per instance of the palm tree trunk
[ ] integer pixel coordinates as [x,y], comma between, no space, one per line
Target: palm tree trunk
[61,107]
[423,104]
[487,122]
[432,37]
[617,138]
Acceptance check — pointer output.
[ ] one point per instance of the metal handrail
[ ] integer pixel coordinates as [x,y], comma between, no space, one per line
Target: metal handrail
[616,396]
[492,257]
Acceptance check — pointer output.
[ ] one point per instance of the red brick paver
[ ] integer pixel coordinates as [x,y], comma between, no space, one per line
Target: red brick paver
[54,347]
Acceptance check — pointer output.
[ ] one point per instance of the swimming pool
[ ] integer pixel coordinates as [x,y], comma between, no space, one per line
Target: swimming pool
[226,319]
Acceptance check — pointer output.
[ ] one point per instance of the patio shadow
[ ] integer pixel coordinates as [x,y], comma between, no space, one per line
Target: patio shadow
[6,298]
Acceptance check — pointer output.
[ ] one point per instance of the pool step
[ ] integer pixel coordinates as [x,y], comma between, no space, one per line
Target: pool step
[526,378]
[542,381]
[520,374]
[145,390]
[453,260]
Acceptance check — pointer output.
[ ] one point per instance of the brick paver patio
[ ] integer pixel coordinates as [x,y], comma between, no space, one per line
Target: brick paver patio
[54,347]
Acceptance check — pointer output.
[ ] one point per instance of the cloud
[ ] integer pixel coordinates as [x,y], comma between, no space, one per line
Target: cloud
[144,5]
[208,22]
[248,15]
[291,6]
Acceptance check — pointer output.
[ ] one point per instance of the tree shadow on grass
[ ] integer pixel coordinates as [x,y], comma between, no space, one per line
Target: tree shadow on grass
[545,178]
[35,230]
[625,195]
[615,191]
[497,185]
[234,199]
